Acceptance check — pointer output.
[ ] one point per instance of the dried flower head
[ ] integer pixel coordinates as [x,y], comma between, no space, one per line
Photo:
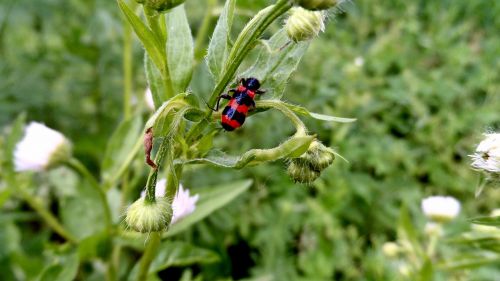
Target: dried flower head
[440,208]
[40,148]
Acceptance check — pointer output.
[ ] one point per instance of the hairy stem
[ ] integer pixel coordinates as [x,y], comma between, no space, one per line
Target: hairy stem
[148,256]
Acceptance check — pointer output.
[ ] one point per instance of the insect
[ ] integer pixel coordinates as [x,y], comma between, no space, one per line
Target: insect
[236,110]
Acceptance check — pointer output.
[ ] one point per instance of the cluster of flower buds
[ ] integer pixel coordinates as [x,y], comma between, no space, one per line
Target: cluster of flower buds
[317,4]
[303,24]
[160,5]
[308,167]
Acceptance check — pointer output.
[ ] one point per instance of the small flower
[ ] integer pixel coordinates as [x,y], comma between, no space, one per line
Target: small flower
[303,24]
[143,216]
[40,148]
[148,98]
[487,156]
[441,208]
[359,61]
[183,203]
[317,4]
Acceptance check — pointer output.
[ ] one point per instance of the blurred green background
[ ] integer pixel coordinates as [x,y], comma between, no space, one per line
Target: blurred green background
[421,77]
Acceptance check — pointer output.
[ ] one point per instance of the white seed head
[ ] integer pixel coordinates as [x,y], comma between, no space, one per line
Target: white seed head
[40,148]
[148,98]
[143,216]
[440,208]
[487,156]
[183,203]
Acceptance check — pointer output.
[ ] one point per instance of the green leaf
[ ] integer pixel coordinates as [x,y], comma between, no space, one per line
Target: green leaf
[155,81]
[180,50]
[211,199]
[407,232]
[491,221]
[64,268]
[121,148]
[426,272]
[469,261]
[148,39]
[302,110]
[97,245]
[177,253]
[276,62]
[219,47]
[15,134]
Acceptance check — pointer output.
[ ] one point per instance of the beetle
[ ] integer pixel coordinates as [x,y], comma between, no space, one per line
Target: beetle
[236,110]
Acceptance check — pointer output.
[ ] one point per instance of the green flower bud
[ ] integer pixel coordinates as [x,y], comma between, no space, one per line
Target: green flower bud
[304,25]
[317,4]
[307,168]
[144,216]
[300,172]
[161,5]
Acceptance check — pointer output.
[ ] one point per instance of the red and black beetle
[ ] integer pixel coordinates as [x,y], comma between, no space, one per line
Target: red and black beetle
[236,110]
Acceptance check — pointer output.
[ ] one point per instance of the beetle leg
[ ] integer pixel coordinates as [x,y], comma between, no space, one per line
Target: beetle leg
[260,92]
[223,96]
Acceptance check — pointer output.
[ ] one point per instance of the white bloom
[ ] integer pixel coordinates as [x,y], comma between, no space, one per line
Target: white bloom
[40,148]
[148,97]
[440,208]
[359,61]
[487,156]
[183,204]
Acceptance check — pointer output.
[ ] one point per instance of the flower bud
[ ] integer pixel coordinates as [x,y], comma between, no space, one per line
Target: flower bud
[317,4]
[40,149]
[304,25]
[307,168]
[144,216]
[160,5]
[391,249]
[433,229]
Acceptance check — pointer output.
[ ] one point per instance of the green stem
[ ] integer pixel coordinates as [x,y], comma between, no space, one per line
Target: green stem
[199,48]
[127,69]
[148,256]
[47,216]
[153,174]
[173,182]
[277,104]
[83,171]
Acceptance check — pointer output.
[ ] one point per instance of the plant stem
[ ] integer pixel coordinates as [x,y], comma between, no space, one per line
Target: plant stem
[46,215]
[199,49]
[153,174]
[148,256]
[83,171]
[277,104]
[127,69]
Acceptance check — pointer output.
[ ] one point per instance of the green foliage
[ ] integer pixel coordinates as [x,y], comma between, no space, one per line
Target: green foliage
[420,78]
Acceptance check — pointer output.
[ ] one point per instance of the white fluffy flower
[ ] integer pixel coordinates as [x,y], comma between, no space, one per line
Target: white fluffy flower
[487,156]
[40,148]
[359,61]
[148,97]
[183,204]
[441,208]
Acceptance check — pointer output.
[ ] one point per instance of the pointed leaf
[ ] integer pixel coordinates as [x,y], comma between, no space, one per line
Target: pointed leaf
[180,50]
[148,39]
[491,221]
[211,199]
[302,110]
[276,62]
[155,81]
[219,47]
[177,253]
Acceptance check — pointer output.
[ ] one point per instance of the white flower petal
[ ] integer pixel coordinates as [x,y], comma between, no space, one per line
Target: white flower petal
[39,144]
[487,156]
[441,208]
